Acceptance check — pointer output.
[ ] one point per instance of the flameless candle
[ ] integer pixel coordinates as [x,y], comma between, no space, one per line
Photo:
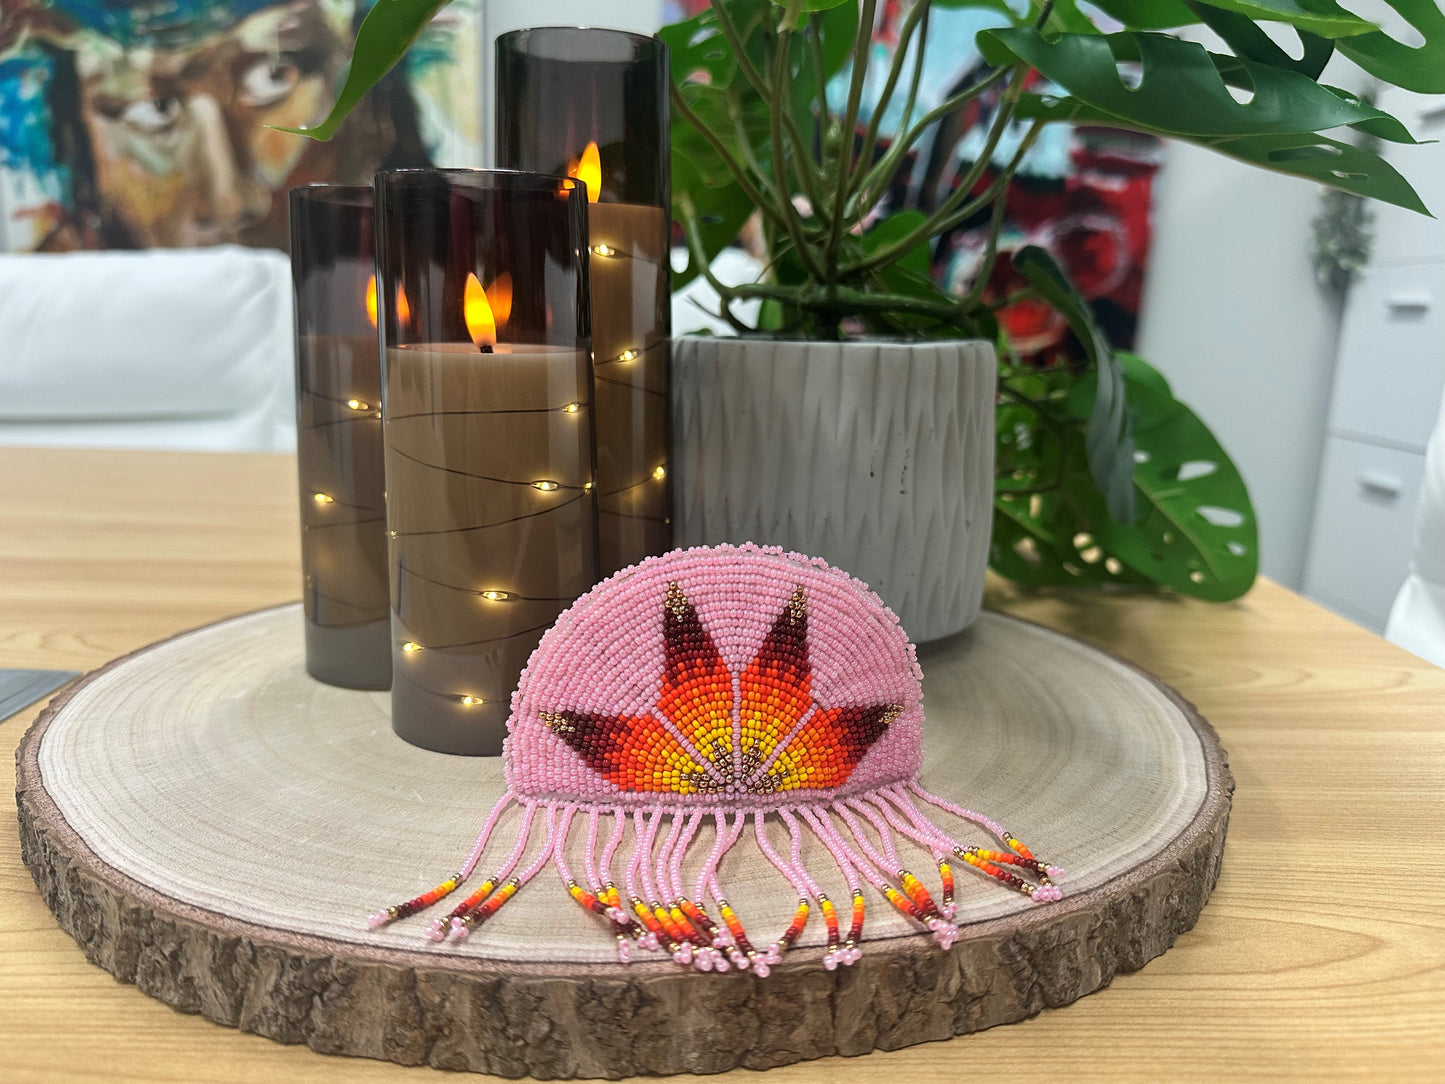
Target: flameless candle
[488,437]
[338,437]
[594,103]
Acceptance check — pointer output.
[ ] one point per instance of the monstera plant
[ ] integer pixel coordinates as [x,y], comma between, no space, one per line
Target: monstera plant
[1102,475]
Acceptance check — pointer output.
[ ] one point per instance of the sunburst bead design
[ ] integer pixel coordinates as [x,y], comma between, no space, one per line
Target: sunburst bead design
[709,694]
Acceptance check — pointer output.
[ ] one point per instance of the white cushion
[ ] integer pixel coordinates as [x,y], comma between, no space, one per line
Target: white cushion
[694,306]
[164,348]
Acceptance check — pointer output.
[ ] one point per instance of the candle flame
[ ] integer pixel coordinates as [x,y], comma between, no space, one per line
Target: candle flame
[477,312]
[588,170]
[403,308]
[499,296]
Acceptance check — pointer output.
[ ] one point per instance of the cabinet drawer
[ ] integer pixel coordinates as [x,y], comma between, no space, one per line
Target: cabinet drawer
[1364,528]
[1403,236]
[1392,355]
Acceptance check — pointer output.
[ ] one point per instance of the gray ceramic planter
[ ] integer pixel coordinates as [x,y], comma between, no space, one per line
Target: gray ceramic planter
[876,456]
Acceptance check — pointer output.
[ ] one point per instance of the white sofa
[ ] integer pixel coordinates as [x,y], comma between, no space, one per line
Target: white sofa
[183,349]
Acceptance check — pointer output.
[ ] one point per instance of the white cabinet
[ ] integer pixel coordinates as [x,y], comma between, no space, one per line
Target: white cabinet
[1363,528]
[1403,236]
[1388,380]
[1392,356]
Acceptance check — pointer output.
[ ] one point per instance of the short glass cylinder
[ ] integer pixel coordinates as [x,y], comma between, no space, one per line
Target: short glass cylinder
[487,424]
[594,104]
[338,437]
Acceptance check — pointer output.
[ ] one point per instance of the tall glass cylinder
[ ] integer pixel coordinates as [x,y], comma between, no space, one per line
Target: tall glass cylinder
[338,437]
[487,422]
[594,104]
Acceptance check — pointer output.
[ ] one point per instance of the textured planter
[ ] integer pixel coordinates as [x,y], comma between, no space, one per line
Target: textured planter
[876,456]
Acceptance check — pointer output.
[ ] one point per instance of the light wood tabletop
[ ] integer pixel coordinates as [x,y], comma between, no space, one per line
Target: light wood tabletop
[1321,954]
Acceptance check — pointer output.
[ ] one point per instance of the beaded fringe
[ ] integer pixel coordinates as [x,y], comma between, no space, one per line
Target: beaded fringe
[653,913]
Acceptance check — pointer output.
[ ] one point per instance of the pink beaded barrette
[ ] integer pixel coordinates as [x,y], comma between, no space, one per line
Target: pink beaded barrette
[692,695]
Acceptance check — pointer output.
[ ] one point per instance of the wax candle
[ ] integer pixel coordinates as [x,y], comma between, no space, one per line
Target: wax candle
[488,460]
[594,103]
[487,424]
[338,438]
[629,343]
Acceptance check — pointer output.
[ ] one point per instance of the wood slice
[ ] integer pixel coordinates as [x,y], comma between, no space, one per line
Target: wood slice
[212,825]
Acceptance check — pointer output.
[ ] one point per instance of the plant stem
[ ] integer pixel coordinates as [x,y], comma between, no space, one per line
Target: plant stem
[776,105]
[725,294]
[861,45]
[815,39]
[934,223]
[739,172]
[780,73]
[846,301]
[918,12]
[1000,204]
[880,174]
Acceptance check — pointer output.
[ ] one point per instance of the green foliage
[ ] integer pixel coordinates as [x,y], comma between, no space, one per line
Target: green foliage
[382,40]
[1196,532]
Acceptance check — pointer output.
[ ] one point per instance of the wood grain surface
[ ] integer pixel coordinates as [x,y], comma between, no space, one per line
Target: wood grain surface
[206,821]
[1322,953]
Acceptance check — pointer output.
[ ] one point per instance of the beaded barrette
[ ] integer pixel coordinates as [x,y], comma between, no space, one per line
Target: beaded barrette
[722,685]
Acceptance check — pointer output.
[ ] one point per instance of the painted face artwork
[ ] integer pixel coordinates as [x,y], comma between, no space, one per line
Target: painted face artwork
[126,124]
[183,155]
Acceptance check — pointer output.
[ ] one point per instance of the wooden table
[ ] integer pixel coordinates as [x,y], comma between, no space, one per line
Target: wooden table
[1322,951]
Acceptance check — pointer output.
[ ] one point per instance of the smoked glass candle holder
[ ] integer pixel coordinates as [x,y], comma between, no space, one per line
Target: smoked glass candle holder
[487,424]
[338,437]
[594,104]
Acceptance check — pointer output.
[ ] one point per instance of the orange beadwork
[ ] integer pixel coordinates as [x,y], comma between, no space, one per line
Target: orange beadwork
[830,920]
[780,750]
[649,920]
[918,894]
[586,899]
[483,891]
[735,927]
[902,903]
[705,693]
[855,932]
[800,919]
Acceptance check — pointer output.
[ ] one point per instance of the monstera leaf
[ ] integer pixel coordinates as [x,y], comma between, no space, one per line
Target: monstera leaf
[1181,90]
[1196,532]
[1108,444]
[1418,68]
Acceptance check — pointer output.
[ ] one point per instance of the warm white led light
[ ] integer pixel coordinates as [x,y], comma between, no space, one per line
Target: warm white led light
[496,596]
[322,498]
[546,485]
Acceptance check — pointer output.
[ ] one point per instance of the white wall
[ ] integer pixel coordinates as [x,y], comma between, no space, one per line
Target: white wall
[1233,317]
